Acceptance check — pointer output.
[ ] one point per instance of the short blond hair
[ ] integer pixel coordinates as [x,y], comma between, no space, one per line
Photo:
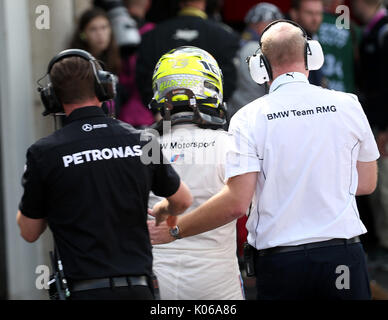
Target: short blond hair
[283,44]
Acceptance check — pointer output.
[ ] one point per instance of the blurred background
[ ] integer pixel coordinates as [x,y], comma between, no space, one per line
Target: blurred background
[25,51]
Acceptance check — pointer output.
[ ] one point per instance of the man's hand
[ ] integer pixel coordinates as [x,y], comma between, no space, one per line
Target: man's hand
[382,143]
[160,214]
[231,203]
[172,206]
[159,234]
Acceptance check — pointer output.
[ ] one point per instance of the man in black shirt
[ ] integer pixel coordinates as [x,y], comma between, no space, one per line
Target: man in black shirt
[89,182]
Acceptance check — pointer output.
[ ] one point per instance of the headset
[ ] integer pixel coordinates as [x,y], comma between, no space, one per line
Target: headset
[260,68]
[104,82]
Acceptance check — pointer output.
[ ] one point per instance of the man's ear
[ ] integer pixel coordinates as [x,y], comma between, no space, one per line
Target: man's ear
[293,14]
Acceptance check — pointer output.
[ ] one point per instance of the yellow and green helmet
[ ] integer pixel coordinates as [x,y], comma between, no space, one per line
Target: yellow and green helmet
[189,68]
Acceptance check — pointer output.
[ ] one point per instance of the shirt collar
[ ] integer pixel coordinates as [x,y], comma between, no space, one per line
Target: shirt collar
[85,112]
[189,11]
[289,77]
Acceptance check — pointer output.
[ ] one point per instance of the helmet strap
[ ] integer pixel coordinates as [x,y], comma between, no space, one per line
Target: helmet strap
[168,105]
[197,117]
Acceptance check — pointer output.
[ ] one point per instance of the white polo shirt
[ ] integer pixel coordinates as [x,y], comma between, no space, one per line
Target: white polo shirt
[305,142]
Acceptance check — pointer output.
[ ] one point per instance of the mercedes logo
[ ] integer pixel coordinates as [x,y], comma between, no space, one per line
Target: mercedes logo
[87,127]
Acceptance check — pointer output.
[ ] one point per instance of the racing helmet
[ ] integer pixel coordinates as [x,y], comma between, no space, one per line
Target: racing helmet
[188,87]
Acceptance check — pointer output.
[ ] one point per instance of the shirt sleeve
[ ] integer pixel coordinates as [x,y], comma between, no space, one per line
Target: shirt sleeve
[166,181]
[31,204]
[243,157]
[368,146]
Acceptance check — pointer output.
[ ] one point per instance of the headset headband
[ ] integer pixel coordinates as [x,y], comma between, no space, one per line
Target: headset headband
[70,53]
[287,21]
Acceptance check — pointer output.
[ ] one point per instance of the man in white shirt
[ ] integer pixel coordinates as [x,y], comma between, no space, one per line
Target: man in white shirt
[302,153]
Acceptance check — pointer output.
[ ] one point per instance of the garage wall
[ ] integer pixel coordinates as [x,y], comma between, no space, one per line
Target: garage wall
[25,52]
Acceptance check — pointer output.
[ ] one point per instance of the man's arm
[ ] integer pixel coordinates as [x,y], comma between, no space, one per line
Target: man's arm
[30,229]
[367,177]
[173,205]
[229,204]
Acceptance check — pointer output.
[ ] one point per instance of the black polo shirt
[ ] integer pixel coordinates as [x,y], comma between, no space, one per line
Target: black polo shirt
[90,182]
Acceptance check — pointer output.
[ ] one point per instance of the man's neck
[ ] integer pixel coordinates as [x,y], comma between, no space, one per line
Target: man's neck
[291,69]
[69,108]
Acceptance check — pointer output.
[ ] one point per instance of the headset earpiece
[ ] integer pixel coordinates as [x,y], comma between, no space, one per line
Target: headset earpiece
[259,68]
[314,55]
[50,101]
[105,83]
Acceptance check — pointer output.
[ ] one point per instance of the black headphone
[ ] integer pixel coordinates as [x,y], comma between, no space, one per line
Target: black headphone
[260,68]
[104,82]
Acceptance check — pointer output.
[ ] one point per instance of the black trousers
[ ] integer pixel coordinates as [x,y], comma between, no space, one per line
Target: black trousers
[118,293]
[337,272]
